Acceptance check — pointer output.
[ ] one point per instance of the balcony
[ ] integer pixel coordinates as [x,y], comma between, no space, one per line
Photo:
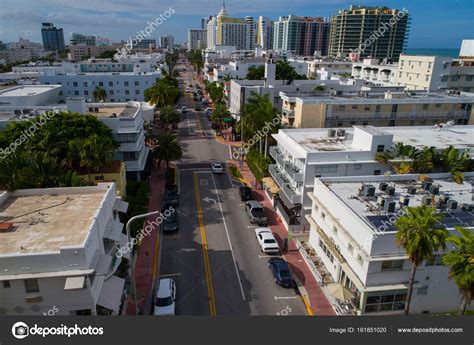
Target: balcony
[293,172]
[284,183]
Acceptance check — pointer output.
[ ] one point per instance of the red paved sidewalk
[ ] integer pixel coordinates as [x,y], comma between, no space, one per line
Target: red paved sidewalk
[318,301]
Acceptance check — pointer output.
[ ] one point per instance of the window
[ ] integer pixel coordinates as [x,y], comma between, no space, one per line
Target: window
[99,178]
[360,259]
[469,78]
[422,290]
[316,208]
[127,92]
[437,105]
[111,83]
[425,106]
[380,148]
[86,93]
[6,284]
[74,84]
[435,260]
[323,215]
[326,251]
[84,83]
[137,92]
[355,107]
[377,172]
[111,92]
[341,108]
[31,285]
[327,168]
[125,83]
[334,229]
[357,166]
[378,301]
[367,108]
[137,83]
[101,83]
[350,248]
[76,93]
[392,265]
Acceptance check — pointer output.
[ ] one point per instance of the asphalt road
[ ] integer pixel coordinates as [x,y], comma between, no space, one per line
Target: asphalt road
[214,257]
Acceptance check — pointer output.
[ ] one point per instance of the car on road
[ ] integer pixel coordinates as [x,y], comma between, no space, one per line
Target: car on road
[267,241]
[183,109]
[170,222]
[187,90]
[255,212]
[208,110]
[281,272]
[245,193]
[165,301]
[204,100]
[171,197]
[217,168]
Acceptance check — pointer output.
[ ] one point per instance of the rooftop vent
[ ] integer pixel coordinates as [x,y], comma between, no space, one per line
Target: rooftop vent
[404,200]
[389,206]
[426,185]
[434,189]
[426,200]
[6,227]
[368,190]
[411,190]
[390,191]
[383,186]
[332,133]
[452,204]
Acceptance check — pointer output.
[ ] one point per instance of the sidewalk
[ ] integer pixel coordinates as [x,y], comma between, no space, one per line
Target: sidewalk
[318,302]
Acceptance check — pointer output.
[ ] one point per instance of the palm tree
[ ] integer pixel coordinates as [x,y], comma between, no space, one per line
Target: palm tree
[99,94]
[169,116]
[420,235]
[168,148]
[461,264]
[220,112]
[456,162]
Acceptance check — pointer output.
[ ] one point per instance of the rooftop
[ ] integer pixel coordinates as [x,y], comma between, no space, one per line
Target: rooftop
[27,90]
[317,140]
[47,222]
[118,110]
[370,211]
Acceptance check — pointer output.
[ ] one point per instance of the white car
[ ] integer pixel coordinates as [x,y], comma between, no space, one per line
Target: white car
[165,298]
[183,109]
[266,240]
[187,90]
[217,168]
[208,110]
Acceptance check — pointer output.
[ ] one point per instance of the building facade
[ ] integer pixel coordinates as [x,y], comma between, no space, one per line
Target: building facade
[375,71]
[47,264]
[301,35]
[53,38]
[197,39]
[377,32]
[80,39]
[265,31]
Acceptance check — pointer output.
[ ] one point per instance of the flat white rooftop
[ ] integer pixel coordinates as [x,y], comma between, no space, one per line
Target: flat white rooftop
[27,90]
[46,222]
[347,190]
[316,139]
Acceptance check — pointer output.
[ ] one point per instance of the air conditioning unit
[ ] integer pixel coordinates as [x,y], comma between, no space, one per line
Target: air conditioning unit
[332,133]
[434,189]
[389,206]
[341,132]
[452,204]
[426,185]
[411,190]
[368,190]
[381,201]
[426,200]
[383,186]
[390,191]
[404,200]
[466,207]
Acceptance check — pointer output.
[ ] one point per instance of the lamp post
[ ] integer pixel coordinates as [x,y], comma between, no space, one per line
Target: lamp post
[132,265]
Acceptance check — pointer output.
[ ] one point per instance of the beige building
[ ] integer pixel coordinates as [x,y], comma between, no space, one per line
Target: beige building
[434,73]
[80,52]
[345,109]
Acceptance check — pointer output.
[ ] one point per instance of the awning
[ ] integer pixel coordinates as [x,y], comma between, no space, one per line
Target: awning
[227,119]
[110,296]
[352,276]
[73,283]
[114,230]
[340,292]
[271,184]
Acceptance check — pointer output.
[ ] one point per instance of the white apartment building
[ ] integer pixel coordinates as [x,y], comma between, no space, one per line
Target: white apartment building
[324,69]
[303,154]
[58,251]
[211,34]
[375,71]
[237,69]
[352,241]
[416,72]
[126,121]
[122,81]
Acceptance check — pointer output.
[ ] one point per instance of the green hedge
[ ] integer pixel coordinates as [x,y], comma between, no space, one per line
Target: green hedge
[258,163]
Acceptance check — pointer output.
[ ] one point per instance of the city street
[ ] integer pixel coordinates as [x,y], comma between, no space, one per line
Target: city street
[214,257]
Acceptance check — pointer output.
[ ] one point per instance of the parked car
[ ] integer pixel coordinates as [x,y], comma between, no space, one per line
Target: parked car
[183,109]
[165,298]
[171,197]
[187,90]
[245,193]
[217,168]
[204,100]
[255,212]
[170,223]
[281,272]
[208,110]
[267,241]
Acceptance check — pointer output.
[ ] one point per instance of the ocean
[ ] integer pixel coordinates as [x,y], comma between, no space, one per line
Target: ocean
[433,51]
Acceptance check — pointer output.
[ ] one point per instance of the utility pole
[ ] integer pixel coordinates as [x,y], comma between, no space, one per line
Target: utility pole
[132,264]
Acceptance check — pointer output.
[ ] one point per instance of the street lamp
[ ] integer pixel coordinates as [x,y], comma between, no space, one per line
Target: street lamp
[132,266]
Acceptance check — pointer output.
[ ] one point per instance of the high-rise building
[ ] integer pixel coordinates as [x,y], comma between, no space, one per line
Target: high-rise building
[301,35]
[79,39]
[265,33]
[377,32]
[205,21]
[234,31]
[211,33]
[197,39]
[167,41]
[53,38]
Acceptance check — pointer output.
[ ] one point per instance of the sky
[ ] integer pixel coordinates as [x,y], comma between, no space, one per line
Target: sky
[434,24]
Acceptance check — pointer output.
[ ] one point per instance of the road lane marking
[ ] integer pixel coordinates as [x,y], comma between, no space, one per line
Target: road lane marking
[228,238]
[207,266]
[285,297]
[169,275]
[308,307]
